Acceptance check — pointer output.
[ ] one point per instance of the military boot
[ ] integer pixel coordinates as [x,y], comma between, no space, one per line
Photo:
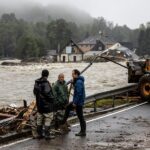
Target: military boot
[48,135]
[40,132]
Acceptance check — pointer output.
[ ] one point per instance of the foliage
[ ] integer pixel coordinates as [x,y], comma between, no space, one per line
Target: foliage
[58,33]
[144,40]
[22,39]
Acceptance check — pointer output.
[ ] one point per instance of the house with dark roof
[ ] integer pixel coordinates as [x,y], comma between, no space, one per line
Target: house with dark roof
[91,46]
[70,53]
[127,44]
[96,43]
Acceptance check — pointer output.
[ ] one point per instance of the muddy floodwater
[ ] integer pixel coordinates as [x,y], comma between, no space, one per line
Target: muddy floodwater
[16,82]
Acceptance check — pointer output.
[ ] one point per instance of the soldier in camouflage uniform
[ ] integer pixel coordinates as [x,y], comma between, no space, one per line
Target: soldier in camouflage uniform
[44,102]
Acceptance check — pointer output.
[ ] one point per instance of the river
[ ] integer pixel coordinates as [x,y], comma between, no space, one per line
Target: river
[16,82]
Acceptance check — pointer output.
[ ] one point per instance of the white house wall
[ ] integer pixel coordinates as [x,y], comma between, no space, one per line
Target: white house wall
[69,58]
[66,57]
[78,57]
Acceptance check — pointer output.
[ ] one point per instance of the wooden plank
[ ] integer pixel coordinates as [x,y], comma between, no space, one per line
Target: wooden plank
[7,120]
[4,116]
[26,115]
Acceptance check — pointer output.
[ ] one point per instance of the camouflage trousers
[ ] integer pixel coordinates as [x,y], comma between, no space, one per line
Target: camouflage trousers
[39,119]
[44,118]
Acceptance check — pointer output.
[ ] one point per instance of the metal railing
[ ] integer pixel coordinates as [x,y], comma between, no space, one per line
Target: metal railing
[111,93]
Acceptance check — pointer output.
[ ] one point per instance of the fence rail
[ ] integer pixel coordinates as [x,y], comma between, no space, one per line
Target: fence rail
[111,93]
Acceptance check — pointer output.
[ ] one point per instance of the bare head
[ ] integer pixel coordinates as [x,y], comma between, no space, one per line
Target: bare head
[61,77]
[75,73]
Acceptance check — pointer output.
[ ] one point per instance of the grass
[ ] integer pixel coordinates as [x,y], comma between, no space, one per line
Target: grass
[106,102]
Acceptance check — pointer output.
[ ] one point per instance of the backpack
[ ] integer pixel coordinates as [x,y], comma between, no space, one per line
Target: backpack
[37,89]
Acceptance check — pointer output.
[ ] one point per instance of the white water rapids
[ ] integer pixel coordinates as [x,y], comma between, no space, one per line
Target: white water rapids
[16,82]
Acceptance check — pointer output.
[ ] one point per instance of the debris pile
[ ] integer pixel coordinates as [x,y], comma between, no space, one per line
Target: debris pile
[15,118]
[116,52]
[120,52]
[20,119]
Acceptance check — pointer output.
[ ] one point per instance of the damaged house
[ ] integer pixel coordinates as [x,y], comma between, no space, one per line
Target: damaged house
[117,51]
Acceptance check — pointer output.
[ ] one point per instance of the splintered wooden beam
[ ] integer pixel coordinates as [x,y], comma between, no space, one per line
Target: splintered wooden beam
[26,115]
[7,120]
[5,116]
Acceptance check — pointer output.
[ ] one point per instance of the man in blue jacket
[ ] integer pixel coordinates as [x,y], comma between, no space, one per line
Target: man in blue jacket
[78,101]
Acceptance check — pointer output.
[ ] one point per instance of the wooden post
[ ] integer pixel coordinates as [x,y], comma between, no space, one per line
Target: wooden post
[127,97]
[25,103]
[113,104]
[95,106]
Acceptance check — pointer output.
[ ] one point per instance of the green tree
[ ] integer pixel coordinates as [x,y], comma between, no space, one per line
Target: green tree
[8,34]
[28,47]
[58,33]
[144,41]
[147,40]
[141,42]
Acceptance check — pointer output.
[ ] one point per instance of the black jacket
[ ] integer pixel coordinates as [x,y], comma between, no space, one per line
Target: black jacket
[44,96]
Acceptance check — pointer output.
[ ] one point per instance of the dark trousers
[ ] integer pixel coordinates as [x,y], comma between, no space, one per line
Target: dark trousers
[79,111]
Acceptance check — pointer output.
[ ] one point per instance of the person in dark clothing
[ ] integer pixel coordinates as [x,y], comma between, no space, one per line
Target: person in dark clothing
[44,102]
[78,101]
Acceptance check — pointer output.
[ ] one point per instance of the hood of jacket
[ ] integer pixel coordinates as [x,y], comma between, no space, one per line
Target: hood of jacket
[80,78]
[41,80]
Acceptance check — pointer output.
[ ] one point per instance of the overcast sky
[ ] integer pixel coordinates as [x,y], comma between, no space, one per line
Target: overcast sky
[130,12]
